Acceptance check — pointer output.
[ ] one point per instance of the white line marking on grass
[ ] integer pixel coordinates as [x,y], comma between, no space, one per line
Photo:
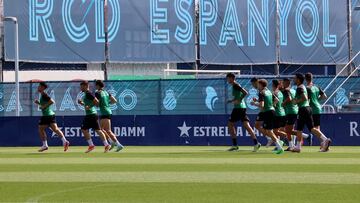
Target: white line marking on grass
[38,198]
[260,161]
[183,177]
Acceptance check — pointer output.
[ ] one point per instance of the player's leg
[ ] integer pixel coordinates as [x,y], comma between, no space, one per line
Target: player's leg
[59,133]
[43,138]
[268,126]
[278,142]
[234,117]
[317,121]
[103,139]
[105,125]
[251,132]
[259,126]
[325,142]
[86,125]
[278,127]
[111,140]
[95,125]
[232,131]
[299,130]
[246,124]
[309,121]
[289,129]
[87,137]
[314,127]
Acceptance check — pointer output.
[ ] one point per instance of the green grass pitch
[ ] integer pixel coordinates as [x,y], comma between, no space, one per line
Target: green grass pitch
[179,174]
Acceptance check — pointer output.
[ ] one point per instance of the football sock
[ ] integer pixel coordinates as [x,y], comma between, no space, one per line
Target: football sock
[323,138]
[305,136]
[277,143]
[90,142]
[291,144]
[234,141]
[63,139]
[106,143]
[45,144]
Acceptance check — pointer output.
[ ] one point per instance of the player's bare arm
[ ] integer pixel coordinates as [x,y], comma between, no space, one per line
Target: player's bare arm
[112,100]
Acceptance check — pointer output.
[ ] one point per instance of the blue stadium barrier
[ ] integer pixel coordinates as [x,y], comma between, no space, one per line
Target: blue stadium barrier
[155,97]
[192,130]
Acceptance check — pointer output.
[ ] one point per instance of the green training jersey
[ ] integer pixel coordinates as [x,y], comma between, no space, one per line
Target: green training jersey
[279,109]
[314,94]
[290,108]
[88,100]
[104,102]
[299,92]
[44,99]
[266,96]
[237,92]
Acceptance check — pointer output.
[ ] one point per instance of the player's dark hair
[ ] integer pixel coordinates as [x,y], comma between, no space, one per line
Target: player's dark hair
[100,83]
[84,83]
[263,82]
[300,77]
[230,75]
[43,84]
[253,80]
[286,80]
[276,83]
[309,76]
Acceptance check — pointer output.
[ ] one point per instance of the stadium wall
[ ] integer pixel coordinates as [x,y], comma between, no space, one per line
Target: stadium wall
[156,97]
[193,130]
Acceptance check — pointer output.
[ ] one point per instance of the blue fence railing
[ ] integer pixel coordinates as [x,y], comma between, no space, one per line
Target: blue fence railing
[155,97]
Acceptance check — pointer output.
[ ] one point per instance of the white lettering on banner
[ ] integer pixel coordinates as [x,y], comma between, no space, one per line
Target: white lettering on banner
[353,129]
[212,131]
[129,131]
[218,131]
[74,132]
[119,131]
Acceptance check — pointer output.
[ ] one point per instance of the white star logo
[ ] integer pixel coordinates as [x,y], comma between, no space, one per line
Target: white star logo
[184,130]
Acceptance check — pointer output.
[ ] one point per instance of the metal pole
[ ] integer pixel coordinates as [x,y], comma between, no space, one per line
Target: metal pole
[106,32]
[350,68]
[17,83]
[197,36]
[17,68]
[277,66]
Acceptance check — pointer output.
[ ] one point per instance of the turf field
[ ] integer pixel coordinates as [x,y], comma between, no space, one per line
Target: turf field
[179,174]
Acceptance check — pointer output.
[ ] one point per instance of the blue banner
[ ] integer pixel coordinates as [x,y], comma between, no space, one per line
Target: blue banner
[73,31]
[154,97]
[314,31]
[260,31]
[237,32]
[211,130]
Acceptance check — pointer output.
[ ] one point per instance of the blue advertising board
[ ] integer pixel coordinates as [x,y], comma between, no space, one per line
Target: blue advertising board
[73,31]
[203,130]
[154,97]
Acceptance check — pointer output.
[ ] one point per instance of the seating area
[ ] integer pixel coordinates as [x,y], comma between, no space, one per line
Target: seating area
[354,102]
